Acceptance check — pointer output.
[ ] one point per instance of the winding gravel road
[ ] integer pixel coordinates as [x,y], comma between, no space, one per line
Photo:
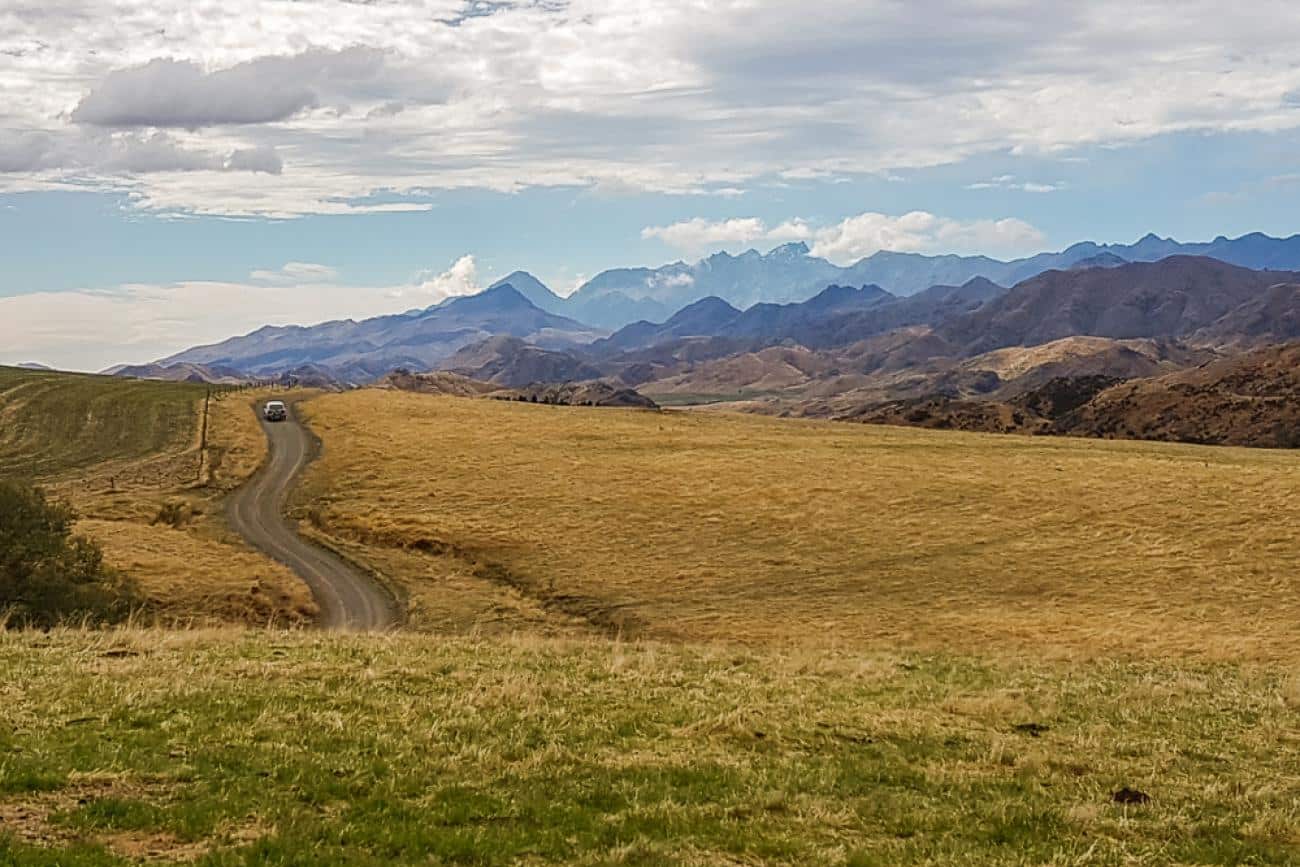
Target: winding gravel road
[348,599]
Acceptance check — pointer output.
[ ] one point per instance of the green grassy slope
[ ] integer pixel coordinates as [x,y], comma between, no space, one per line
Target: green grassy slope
[257,748]
[54,422]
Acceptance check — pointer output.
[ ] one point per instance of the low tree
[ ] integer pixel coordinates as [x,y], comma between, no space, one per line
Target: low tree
[47,574]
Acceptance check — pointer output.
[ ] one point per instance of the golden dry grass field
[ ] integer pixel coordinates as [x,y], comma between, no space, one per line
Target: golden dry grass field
[688,526]
[125,453]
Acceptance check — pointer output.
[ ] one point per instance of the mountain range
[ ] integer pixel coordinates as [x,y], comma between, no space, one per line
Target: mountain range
[842,339]
[790,273]
[1045,355]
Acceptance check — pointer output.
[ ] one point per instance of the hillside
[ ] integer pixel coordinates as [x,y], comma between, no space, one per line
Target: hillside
[1175,297]
[684,526]
[776,368]
[902,365]
[126,454]
[179,372]
[437,382]
[61,422]
[1250,400]
[511,362]
[1135,390]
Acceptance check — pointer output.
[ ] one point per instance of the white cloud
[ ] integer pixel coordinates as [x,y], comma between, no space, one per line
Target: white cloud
[1009,182]
[125,154]
[136,323]
[791,230]
[460,279]
[671,281]
[678,96]
[858,236]
[923,232]
[300,273]
[701,234]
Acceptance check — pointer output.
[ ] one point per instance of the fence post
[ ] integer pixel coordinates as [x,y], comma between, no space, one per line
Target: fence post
[203,437]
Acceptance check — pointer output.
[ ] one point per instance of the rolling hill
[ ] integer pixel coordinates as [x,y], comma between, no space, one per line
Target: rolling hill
[61,422]
[1121,392]
[512,362]
[126,454]
[180,371]
[1251,399]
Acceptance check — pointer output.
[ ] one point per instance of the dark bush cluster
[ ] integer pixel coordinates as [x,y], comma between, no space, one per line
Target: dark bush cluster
[48,575]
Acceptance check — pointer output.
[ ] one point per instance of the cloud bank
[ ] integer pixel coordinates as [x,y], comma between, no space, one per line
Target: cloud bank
[857,237]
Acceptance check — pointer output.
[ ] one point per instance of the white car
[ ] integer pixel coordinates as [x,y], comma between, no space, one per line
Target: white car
[275,410]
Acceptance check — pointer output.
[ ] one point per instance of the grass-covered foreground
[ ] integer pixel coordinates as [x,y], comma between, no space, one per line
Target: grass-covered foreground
[288,748]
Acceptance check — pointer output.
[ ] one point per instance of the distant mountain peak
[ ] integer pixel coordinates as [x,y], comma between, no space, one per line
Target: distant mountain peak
[835,292]
[503,296]
[517,279]
[711,307]
[793,250]
[533,289]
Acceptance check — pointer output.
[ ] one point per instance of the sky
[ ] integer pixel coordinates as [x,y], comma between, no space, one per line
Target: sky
[173,172]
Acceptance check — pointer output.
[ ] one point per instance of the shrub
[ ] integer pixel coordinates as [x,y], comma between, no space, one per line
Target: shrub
[48,575]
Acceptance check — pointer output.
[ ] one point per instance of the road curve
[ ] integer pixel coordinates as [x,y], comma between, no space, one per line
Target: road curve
[348,599]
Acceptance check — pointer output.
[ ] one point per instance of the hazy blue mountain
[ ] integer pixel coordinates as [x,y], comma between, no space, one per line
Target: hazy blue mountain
[833,317]
[790,273]
[534,290]
[797,321]
[1101,260]
[704,318]
[787,273]
[420,339]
